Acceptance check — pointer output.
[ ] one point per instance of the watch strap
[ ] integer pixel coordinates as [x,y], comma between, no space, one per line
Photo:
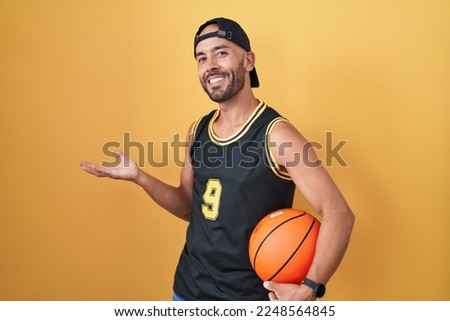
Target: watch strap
[318,288]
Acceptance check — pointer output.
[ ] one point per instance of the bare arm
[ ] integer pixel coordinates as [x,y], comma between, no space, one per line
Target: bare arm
[321,192]
[176,200]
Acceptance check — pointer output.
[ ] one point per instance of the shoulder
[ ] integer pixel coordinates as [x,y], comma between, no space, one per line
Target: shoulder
[281,130]
[284,131]
[200,122]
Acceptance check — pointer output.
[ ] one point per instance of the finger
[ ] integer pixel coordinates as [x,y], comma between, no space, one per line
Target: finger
[91,169]
[83,163]
[273,296]
[96,170]
[85,166]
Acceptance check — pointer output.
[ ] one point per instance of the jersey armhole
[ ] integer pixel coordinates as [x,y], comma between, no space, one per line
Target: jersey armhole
[193,132]
[279,171]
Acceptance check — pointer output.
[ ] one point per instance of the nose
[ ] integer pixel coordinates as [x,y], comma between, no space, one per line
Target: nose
[211,64]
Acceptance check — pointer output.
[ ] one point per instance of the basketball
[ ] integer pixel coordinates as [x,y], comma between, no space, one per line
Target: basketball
[282,245]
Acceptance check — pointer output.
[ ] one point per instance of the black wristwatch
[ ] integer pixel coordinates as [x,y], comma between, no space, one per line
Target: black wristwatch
[318,288]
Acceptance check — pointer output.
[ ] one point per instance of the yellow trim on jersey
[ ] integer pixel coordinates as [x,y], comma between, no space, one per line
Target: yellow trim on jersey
[274,166]
[194,129]
[191,135]
[223,141]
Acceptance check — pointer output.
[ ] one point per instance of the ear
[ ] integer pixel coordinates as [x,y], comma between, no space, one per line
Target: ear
[249,61]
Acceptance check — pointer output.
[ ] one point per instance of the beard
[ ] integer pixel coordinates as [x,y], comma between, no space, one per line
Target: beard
[236,82]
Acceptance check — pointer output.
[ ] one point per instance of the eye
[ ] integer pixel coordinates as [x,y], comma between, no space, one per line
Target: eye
[201,59]
[221,53]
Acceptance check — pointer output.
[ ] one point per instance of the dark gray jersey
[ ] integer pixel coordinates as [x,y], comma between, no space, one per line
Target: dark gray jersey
[236,183]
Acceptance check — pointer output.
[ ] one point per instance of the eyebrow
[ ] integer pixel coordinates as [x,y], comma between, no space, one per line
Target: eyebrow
[201,53]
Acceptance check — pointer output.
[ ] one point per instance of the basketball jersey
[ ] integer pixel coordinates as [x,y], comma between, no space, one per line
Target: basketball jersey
[236,183]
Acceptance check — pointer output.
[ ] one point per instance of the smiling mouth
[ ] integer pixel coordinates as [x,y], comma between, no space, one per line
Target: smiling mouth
[215,80]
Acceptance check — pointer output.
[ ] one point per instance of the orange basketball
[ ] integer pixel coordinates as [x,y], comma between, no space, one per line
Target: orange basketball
[283,244]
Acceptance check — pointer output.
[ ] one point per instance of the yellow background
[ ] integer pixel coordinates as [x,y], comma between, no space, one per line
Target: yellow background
[77,74]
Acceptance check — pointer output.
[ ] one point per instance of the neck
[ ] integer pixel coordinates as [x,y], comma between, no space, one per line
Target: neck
[237,109]
[233,113]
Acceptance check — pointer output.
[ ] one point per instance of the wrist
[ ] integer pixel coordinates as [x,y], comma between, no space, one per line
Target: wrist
[138,179]
[318,289]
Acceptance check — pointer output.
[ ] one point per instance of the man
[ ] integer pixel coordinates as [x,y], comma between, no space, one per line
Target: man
[243,161]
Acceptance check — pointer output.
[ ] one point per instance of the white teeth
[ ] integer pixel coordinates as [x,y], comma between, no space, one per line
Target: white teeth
[214,80]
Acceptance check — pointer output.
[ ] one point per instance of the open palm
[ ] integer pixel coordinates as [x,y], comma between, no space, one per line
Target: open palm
[126,169]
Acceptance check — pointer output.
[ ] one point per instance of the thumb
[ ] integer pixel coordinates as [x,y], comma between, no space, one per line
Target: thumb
[273,289]
[271,286]
[119,152]
[121,157]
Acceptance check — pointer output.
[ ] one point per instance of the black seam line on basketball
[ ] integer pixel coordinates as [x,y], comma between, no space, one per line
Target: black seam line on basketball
[296,250]
[267,236]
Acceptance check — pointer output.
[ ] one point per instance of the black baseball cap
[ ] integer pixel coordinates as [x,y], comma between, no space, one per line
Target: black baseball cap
[231,31]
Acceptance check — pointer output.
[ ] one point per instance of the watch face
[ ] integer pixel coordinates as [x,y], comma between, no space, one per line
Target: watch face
[320,291]
[318,288]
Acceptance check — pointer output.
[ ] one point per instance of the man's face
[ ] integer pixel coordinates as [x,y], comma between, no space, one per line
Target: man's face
[220,66]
